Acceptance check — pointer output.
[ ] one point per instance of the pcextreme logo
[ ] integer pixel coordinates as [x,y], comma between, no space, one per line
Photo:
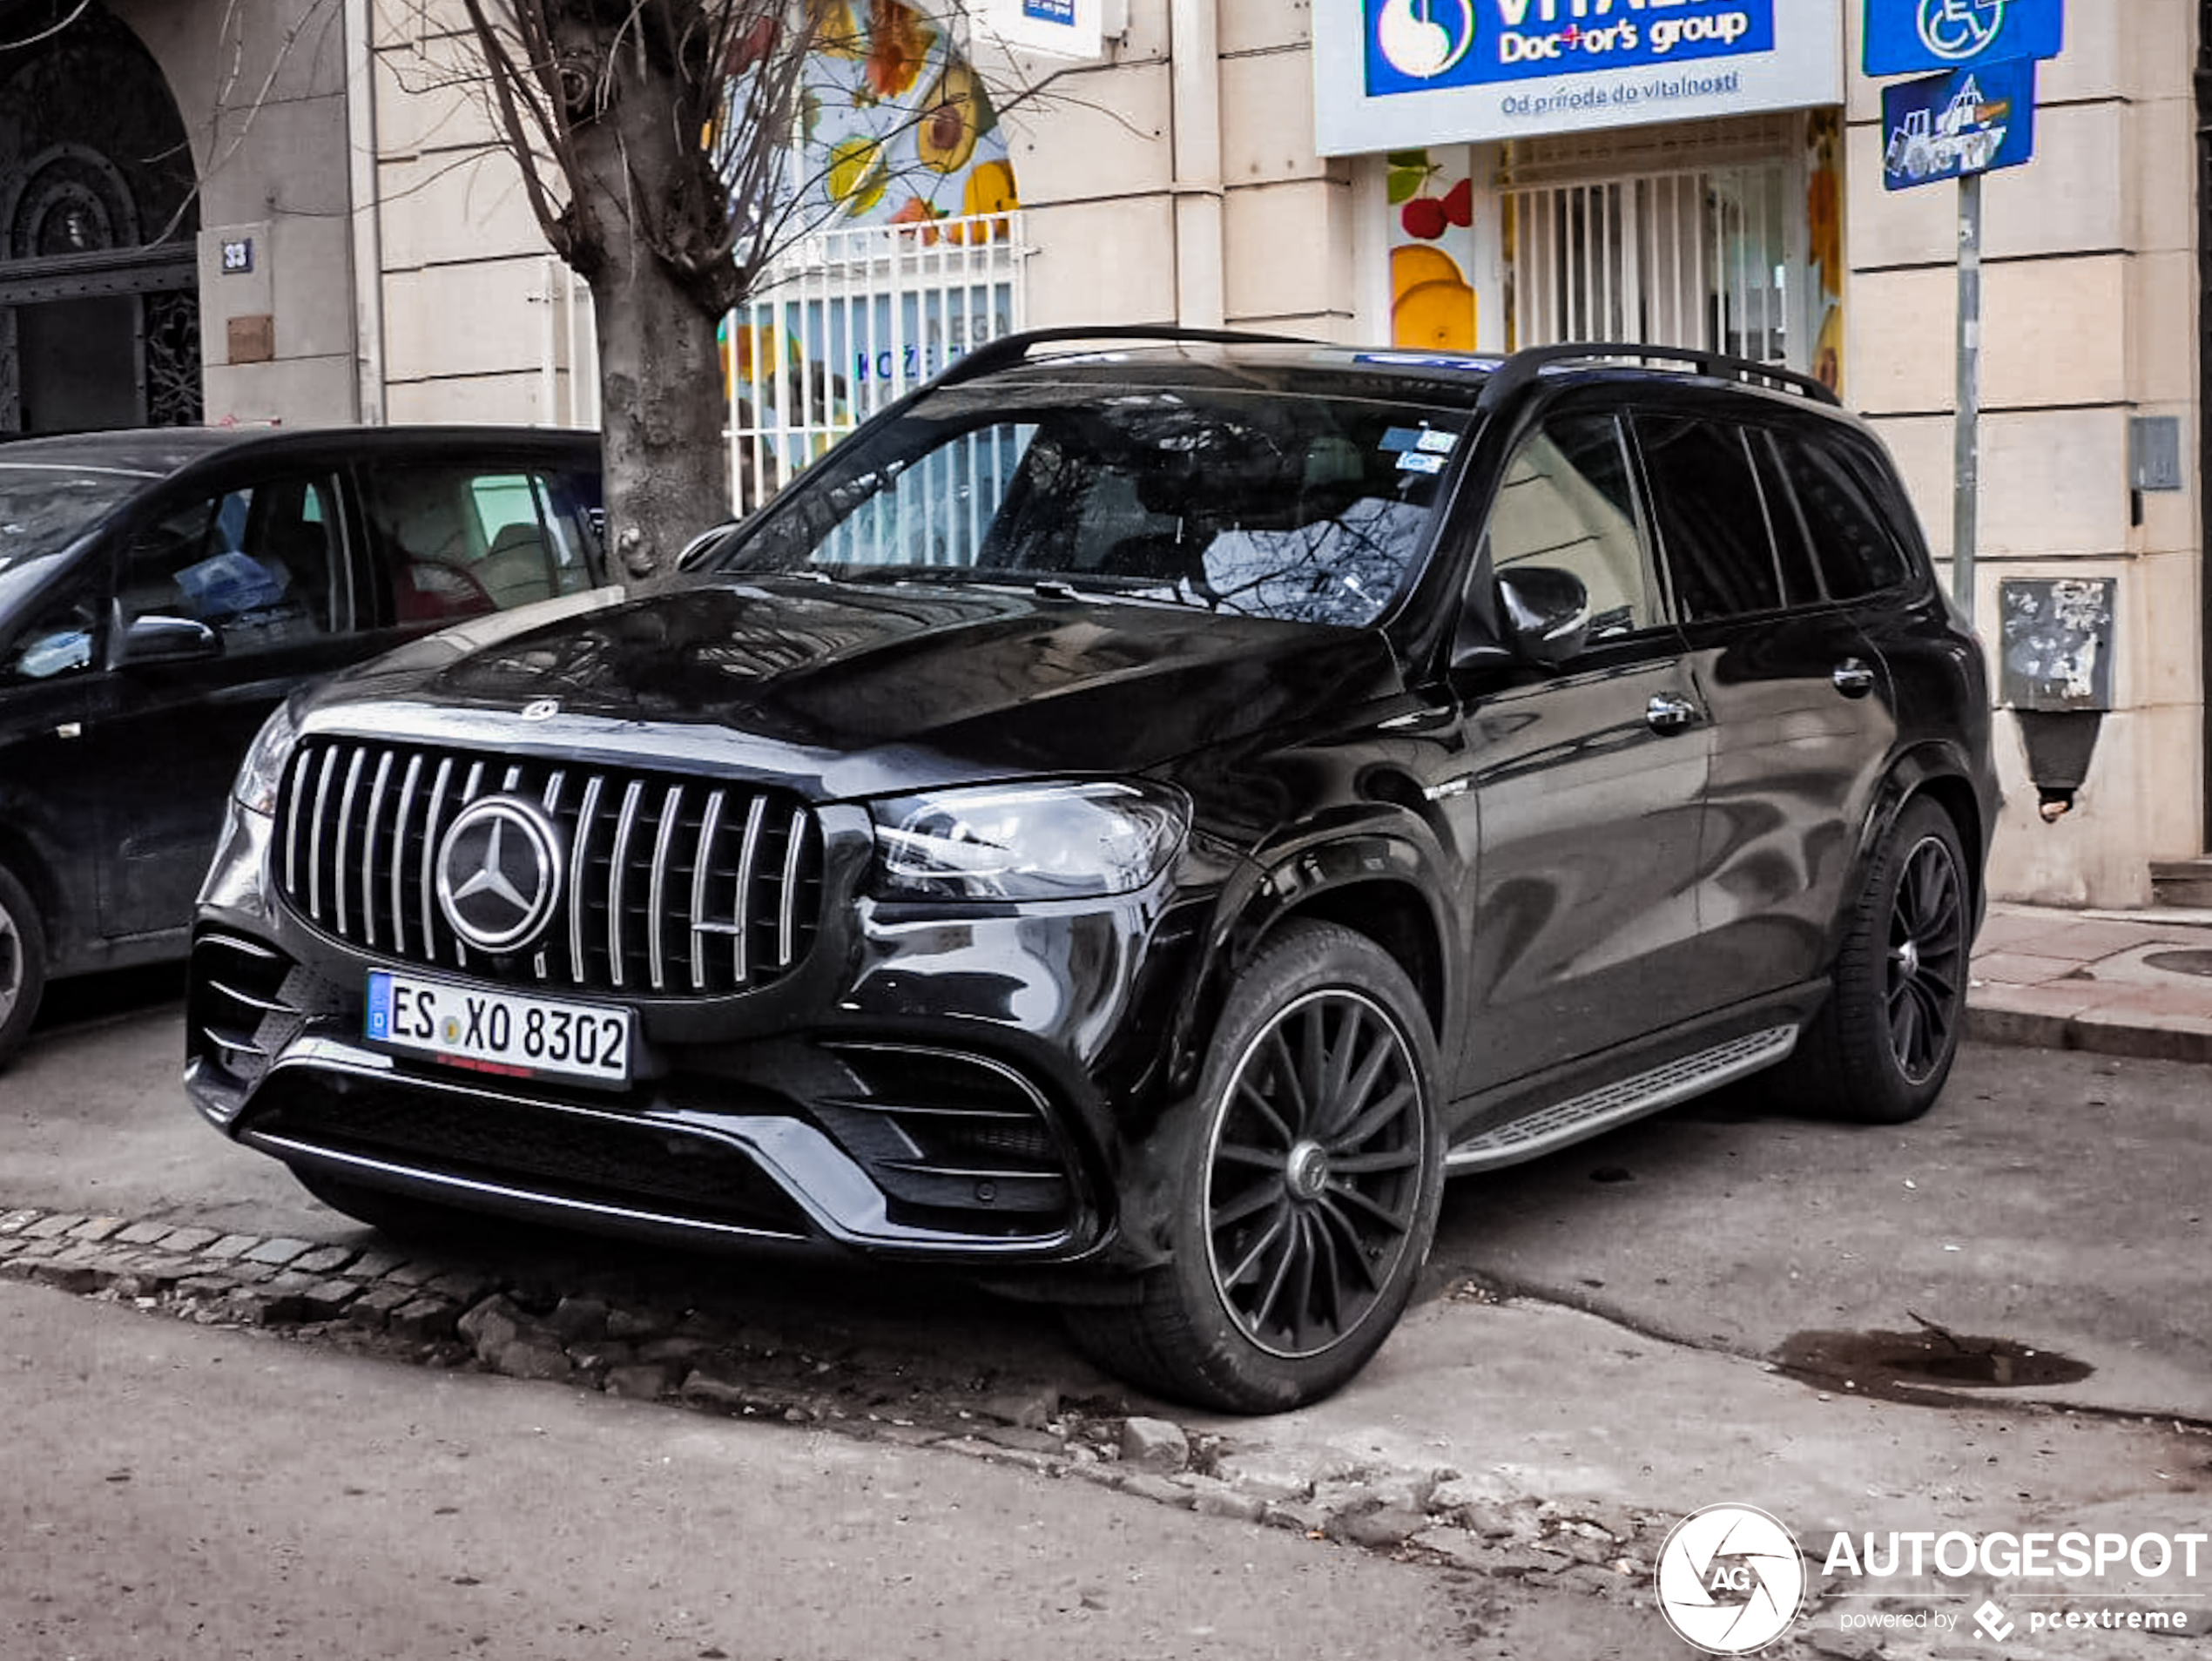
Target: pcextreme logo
[1731,1579]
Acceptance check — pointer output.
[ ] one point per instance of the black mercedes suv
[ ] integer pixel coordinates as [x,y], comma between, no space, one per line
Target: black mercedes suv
[1130,822]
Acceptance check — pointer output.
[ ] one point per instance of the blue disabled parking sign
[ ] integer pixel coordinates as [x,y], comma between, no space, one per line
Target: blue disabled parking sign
[1922,37]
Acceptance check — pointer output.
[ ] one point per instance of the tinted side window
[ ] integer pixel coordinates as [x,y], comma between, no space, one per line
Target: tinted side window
[1851,536]
[1801,583]
[1566,502]
[262,566]
[1711,519]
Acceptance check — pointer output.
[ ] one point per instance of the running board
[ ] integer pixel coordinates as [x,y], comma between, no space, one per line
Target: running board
[1568,1122]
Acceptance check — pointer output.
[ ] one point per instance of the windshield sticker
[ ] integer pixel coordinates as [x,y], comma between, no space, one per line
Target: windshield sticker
[1416,461]
[1430,440]
[1434,441]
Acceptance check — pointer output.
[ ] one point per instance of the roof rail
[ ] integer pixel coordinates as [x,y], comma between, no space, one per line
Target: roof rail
[1010,349]
[1525,366]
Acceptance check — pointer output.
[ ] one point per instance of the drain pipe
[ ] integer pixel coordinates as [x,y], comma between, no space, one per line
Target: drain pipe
[368,240]
[1194,92]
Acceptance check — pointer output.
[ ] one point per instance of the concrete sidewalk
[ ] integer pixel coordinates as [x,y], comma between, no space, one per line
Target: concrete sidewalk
[2121,983]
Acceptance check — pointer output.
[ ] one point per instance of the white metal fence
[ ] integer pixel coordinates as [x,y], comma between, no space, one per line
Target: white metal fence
[1696,258]
[841,325]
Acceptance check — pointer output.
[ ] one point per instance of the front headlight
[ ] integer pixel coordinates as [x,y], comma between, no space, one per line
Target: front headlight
[1047,841]
[261,773]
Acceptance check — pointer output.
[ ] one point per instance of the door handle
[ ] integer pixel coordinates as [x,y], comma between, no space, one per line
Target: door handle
[1667,713]
[1853,678]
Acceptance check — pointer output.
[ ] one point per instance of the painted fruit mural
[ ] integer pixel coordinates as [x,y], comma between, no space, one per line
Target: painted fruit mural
[1432,303]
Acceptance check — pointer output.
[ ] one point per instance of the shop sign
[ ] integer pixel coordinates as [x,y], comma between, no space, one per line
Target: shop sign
[1400,74]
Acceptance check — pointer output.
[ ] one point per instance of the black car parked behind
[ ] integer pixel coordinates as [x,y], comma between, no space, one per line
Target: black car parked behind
[1127,823]
[161,591]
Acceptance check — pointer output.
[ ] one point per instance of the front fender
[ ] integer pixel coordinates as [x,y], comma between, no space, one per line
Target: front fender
[1384,874]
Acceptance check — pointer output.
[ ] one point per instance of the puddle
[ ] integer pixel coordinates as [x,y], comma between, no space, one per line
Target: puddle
[2181,963]
[1925,1366]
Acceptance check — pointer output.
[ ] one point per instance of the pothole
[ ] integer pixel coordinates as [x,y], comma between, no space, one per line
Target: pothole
[1923,1366]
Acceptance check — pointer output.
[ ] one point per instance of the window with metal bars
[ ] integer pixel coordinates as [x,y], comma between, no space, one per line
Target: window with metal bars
[1698,258]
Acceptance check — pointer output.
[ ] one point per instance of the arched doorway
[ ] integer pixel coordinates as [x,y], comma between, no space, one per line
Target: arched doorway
[99,222]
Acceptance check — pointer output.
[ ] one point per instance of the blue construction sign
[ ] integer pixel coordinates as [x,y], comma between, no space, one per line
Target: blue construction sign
[1918,37]
[1970,121]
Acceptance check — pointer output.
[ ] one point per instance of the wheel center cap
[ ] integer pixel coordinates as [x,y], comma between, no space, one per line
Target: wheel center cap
[1308,1170]
[1908,957]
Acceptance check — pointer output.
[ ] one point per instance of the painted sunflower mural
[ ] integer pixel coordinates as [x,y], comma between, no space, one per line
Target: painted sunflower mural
[897,128]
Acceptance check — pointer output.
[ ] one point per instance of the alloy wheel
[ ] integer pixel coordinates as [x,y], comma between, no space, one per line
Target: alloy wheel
[1928,958]
[10,965]
[1314,1178]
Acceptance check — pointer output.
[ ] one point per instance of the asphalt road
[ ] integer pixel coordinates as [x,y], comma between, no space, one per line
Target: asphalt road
[2054,1199]
[167,1490]
[1597,1335]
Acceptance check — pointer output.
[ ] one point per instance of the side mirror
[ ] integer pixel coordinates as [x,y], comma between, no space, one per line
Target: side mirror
[706,543]
[1546,612]
[156,639]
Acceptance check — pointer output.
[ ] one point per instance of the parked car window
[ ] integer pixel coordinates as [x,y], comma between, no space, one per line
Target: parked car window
[61,637]
[1713,531]
[1565,502]
[1312,510]
[262,566]
[1801,579]
[1858,553]
[460,541]
[43,508]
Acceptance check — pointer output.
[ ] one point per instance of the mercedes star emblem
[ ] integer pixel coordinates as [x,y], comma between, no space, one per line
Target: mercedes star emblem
[499,873]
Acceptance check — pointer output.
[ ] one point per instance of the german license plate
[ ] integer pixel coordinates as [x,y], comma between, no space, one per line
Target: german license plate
[498,1032]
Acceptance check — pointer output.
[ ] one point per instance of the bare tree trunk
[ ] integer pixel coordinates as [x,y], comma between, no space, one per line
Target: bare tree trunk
[645,218]
[662,412]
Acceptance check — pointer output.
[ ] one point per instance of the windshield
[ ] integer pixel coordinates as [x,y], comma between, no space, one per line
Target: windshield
[43,508]
[1295,506]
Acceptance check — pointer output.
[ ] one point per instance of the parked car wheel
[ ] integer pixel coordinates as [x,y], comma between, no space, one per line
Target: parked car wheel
[1882,1046]
[23,963]
[1308,1184]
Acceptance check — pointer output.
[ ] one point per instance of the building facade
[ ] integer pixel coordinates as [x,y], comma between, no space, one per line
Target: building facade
[1697,172]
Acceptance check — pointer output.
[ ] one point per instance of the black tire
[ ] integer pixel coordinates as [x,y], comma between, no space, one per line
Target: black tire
[1302,1186]
[1882,1046]
[23,964]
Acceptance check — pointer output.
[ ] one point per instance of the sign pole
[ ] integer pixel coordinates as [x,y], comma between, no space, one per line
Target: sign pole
[1967,457]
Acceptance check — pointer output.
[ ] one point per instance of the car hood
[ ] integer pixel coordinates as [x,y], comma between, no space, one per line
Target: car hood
[853,689]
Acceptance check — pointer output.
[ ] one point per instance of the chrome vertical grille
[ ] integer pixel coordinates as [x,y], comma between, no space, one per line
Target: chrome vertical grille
[676,886]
